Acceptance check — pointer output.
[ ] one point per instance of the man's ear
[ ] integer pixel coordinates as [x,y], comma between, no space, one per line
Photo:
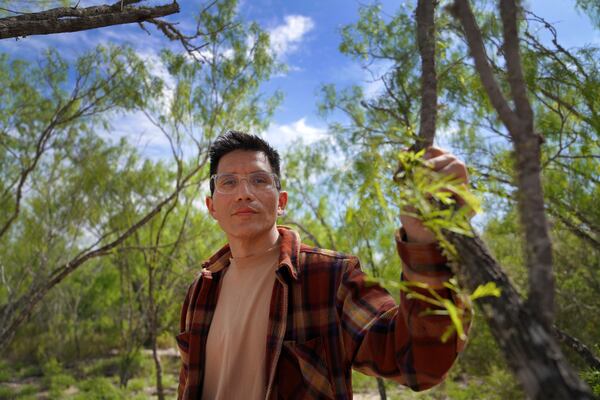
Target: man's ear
[210,206]
[282,202]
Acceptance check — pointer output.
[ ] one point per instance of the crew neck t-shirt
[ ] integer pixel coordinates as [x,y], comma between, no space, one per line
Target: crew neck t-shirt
[237,339]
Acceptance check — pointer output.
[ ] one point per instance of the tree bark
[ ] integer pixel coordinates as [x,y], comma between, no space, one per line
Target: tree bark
[381,388]
[72,19]
[425,14]
[530,350]
[529,182]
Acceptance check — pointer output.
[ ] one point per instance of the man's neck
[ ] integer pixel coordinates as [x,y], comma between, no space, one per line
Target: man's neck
[246,247]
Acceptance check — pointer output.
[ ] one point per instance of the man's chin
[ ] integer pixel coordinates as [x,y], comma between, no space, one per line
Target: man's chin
[248,230]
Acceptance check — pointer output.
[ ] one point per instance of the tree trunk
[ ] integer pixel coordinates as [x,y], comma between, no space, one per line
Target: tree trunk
[381,389]
[531,352]
[160,391]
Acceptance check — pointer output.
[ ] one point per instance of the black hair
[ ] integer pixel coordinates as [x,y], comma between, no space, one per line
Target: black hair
[237,140]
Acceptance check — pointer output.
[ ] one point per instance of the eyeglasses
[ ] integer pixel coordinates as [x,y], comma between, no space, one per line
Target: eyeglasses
[259,181]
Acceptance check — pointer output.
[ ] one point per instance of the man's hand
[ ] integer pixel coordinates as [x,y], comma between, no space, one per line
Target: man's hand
[441,162]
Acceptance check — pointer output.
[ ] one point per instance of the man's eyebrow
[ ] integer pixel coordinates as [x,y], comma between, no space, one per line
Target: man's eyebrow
[251,172]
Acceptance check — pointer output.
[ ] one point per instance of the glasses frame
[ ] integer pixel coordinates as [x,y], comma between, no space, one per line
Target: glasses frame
[241,177]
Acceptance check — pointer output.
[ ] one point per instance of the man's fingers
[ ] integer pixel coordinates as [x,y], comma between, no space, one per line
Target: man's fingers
[439,162]
[455,168]
[433,152]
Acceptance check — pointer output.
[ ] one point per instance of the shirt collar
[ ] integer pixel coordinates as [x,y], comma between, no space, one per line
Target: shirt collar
[289,254]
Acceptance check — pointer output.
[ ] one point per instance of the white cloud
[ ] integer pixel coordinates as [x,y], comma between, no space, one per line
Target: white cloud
[286,38]
[280,136]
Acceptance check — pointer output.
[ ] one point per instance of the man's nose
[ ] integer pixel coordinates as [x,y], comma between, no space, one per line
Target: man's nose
[244,190]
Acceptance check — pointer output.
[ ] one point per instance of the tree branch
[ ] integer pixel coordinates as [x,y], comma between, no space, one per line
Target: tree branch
[462,11]
[518,88]
[305,230]
[579,347]
[426,40]
[73,19]
[538,247]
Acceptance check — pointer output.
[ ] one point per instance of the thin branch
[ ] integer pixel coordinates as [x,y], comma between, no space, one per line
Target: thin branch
[462,11]
[579,347]
[312,237]
[518,88]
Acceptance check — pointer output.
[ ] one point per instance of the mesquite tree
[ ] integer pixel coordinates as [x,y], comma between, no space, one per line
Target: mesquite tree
[523,329]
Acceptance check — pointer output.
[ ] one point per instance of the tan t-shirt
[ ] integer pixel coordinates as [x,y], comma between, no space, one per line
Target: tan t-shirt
[237,339]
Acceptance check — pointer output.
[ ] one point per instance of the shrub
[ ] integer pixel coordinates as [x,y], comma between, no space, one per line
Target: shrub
[592,378]
[98,388]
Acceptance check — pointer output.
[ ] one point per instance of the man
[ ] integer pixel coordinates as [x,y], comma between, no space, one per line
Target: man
[270,317]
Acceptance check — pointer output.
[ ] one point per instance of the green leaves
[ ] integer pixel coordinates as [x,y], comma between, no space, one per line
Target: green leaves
[432,197]
[489,289]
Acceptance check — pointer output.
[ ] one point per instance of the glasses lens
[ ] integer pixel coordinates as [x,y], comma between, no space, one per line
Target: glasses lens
[259,181]
[226,183]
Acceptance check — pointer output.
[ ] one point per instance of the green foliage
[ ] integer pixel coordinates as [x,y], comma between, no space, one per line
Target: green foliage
[592,378]
[98,388]
[56,379]
[6,392]
[591,8]
[5,371]
[433,196]
[489,289]
[499,384]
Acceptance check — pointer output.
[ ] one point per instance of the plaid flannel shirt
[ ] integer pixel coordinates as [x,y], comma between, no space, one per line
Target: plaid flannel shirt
[326,318]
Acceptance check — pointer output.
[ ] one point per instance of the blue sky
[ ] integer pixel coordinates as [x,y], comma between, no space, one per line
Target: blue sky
[304,34]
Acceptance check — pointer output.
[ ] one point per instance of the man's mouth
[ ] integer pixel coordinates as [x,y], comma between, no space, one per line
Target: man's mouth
[245,211]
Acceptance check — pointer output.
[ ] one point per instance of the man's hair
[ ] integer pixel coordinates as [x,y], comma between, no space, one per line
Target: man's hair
[237,140]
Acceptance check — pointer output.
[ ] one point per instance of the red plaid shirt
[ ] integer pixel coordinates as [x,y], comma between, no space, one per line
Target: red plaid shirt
[326,318]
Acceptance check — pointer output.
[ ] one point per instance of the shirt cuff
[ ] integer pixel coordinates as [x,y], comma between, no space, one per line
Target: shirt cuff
[422,262]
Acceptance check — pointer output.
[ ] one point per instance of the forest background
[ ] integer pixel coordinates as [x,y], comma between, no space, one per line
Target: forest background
[103,144]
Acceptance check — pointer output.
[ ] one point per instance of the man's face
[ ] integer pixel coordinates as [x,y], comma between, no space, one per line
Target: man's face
[246,214]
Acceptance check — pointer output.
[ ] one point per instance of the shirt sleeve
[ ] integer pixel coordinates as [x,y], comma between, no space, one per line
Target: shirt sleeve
[421,262]
[402,341]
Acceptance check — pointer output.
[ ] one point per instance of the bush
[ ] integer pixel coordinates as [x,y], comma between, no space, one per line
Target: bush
[55,378]
[499,384]
[592,378]
[138,384]
[6,392]
[51,368]
[28,392]
[102,367]
[29,371]
[98,388]
[6,373]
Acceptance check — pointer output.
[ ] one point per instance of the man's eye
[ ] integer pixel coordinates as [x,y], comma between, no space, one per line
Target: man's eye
[261,179]
[228,181]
